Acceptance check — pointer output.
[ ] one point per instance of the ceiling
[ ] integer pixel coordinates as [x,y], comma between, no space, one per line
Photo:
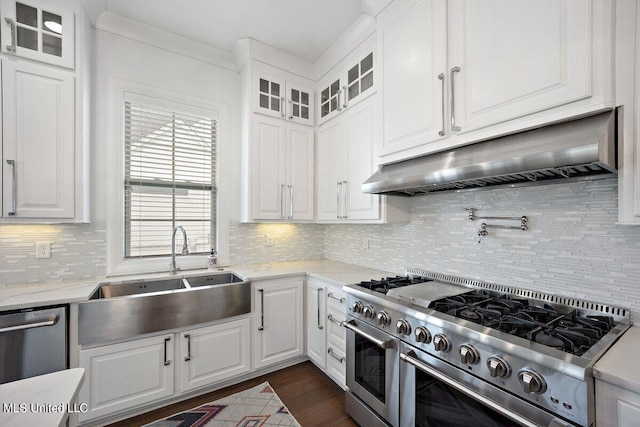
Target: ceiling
[304,28]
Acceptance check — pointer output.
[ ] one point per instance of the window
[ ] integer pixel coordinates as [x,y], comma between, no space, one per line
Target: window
[169,177]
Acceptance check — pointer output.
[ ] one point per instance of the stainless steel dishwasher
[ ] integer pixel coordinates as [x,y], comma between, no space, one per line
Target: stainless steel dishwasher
[32,342]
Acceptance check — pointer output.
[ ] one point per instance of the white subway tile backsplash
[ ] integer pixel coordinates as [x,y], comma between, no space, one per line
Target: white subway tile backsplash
[572,248]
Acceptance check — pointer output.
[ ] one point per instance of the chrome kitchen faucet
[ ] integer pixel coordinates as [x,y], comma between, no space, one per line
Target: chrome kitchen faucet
[173,269]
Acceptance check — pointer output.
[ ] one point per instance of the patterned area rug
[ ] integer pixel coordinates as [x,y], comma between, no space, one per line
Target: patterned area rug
[254,407]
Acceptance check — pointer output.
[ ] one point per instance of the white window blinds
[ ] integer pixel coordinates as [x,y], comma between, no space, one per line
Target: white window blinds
[170,170]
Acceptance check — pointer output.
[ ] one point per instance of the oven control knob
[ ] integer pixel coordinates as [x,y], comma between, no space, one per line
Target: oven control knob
[468,354]
[383,318]
[498,368]
[423,335]
[357,307]
[369,311]
[403,327]
[441,343]
[532,382]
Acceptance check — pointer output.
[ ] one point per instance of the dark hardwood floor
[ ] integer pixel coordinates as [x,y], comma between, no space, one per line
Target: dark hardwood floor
[312,397]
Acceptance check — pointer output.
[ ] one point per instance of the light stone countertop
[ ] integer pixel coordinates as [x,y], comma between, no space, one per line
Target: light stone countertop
[45,400]
[615,366]
[14,297]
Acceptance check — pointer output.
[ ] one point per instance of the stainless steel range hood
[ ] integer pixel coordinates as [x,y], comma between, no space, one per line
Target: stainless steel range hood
[581,147]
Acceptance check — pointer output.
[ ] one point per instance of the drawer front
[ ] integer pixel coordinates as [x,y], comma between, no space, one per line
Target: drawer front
[336,333]
[336,299]
[336,365]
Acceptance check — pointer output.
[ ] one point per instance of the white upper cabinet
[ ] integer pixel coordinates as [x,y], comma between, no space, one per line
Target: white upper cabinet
[38,147]
[277,97]
[282,171]
[509,58]
[349,85]
[346,157]
[459,71]
[414,47]
[38,31]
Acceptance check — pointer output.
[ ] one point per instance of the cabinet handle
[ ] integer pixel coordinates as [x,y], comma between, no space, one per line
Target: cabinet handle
[14,188]
[290,116]
[319,325]
[337,322]
[339,100]
[291,202]
[346,100]
[338,194]
[454,128]
[332,354]
[340,300]
[282,201]
[261,328]
[188,337]
[166,362]
[283,107]
[345,198]
[441,78]
[11,47]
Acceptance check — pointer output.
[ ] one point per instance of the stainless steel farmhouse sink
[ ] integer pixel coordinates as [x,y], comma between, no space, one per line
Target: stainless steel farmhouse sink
[119,310]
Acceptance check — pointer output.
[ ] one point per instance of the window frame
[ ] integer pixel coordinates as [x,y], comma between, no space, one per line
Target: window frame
[117,263]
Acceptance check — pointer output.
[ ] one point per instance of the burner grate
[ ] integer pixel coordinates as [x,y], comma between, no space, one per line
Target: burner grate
[618,312]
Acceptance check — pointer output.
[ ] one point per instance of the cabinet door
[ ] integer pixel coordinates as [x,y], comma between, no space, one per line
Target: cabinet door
[125,375]
[214,353]
[331,99]
[39,31]
[269,93]
[330,165]
[359,80]
[361,142]
[300,172]
[517,57]
[299,104]
[413,46]
[268,180]
[316,329]
[279,310]
[38,141]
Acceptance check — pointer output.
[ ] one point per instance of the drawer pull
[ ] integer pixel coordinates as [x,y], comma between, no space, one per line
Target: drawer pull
[340,300]
[332,354]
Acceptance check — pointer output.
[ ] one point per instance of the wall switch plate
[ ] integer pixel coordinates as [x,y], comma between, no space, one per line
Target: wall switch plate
[43,249]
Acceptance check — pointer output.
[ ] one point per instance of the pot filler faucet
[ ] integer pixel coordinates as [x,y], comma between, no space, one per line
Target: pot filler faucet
[173,269]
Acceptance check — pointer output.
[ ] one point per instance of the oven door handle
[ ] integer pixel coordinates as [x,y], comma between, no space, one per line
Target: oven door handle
[380,343]
[411,358]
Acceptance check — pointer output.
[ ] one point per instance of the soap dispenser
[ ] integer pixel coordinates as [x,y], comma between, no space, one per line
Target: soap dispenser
[212,260]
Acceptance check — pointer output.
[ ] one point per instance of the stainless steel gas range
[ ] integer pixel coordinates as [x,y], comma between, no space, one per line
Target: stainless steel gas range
[428,349]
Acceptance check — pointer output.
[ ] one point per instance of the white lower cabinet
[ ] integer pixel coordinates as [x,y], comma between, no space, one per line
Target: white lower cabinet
[279,333]
[616,406]
[110,370]
[214,353]
[326,337]
[316,315]
[193,358]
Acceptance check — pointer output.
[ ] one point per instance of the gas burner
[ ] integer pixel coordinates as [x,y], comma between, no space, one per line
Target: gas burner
[541,323]
[387,283]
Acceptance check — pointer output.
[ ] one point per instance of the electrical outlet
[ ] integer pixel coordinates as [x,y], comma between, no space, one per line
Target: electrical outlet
[43,249]
[269,240]
[365,243]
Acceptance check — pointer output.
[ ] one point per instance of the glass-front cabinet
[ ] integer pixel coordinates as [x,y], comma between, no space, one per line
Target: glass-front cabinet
[351,85]
[281,98]
[38,31]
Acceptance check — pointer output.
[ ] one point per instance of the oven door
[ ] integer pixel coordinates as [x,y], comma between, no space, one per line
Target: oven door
[372,369]
[435,393]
